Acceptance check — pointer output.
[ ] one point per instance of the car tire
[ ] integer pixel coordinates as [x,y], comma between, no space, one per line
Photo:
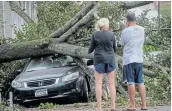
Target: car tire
[84,97]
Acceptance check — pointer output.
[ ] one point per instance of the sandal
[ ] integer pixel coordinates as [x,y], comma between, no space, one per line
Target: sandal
[144,109]
[129,110]
[113,110]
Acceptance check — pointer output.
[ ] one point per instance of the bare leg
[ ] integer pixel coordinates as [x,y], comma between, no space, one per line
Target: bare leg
[111,81]
[98,81]
[142,95]
[131,91]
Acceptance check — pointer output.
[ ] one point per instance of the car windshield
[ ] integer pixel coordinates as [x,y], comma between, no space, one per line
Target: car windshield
[46,63]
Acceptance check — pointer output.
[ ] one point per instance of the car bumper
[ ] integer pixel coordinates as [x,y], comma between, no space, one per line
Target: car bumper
[71,89]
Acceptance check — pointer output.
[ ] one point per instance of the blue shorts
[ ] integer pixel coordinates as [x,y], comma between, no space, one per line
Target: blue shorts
[105,67]
[133,73]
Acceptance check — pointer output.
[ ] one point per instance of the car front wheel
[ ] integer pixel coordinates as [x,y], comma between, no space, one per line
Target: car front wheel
[84,97]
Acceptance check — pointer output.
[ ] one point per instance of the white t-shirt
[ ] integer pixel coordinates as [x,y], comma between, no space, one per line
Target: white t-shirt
[132,39]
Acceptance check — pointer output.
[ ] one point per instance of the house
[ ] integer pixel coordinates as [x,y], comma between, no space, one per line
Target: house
[153,8]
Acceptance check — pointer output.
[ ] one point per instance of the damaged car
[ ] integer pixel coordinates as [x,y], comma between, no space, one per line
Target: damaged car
[54,76]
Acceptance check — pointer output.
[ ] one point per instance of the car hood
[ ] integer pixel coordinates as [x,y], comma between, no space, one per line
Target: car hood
[43,74]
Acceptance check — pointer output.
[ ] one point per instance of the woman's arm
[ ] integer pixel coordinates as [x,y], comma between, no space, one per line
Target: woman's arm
[92,45]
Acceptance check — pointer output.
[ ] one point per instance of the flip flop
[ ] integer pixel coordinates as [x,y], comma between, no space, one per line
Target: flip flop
[129,110]
[144,109]
[97,110]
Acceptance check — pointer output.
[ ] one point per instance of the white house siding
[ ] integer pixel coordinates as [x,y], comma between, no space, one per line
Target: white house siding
[7,19]
[153,8]
[152,13]
[17,21]
[1,20]
[12,20]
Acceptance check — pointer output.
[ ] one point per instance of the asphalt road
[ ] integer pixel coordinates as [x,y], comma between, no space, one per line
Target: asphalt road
[159,108]
[82,108]
[65,105]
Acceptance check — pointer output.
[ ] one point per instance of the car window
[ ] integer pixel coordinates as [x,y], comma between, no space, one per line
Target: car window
[47,62]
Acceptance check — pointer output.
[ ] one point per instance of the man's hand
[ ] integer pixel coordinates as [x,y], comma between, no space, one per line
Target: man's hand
[118,44]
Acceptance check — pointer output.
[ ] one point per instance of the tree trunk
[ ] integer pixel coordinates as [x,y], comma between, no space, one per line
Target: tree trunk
[82,52]
[21,50]
[16,51]
[72,50]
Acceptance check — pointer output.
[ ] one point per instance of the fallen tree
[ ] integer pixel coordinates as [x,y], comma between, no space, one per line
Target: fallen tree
[17,51]
[55,43]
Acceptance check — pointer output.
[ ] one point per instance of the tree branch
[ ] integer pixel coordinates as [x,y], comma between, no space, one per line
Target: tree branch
[71,50]
[73,21]
[130,5]
[121,90]
[80,40]
[88,17]
[14,7]
[165,70]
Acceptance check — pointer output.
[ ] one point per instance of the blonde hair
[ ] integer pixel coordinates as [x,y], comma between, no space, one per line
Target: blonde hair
[101,23]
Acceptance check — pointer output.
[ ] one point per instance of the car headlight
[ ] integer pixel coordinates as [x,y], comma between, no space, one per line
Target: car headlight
[16,84]
[70,76]
[57,80]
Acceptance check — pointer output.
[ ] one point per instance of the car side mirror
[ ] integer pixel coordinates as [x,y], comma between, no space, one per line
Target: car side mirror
[89,62]
[18,71]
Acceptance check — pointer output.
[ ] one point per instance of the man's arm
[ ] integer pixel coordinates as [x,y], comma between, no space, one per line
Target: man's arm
[114,43]
[121,42]
[92,45]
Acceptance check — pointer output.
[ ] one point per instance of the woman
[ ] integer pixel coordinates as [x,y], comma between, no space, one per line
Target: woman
[103,42]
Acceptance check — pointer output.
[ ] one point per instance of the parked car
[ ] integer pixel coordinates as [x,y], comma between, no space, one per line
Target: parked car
[50,77]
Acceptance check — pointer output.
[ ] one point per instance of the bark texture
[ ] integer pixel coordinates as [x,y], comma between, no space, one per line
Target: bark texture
[16,51]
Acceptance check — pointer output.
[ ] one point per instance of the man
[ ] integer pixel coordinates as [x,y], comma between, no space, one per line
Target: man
[132,39]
